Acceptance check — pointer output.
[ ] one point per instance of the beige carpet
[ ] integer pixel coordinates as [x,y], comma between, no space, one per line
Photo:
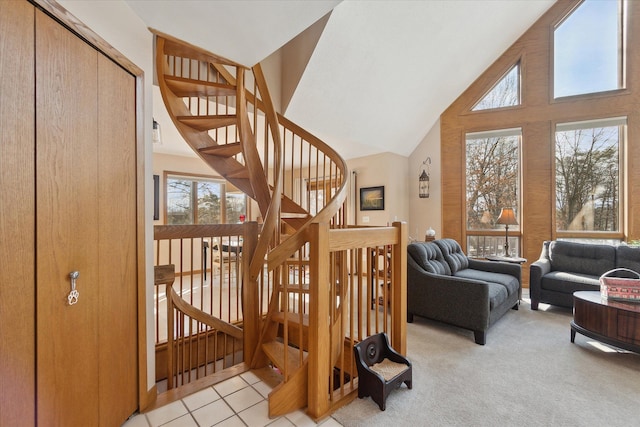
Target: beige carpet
[528,374]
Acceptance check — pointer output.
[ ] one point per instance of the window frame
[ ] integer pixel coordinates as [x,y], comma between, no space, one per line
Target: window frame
[622,179]
[516,65]
[196,178]
[514,232]
[623,25]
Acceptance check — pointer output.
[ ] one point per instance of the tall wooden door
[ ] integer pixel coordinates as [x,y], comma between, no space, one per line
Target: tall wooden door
[17,204]
[85,224]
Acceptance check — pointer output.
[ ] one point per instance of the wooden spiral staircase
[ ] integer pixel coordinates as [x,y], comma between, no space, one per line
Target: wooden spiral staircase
[237,132]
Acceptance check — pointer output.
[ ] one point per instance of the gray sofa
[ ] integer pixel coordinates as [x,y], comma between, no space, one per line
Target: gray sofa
[444,284]
[566,267]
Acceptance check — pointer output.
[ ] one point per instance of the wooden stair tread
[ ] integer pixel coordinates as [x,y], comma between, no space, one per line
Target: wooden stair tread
[292,215]
[183,87]
[204,123]
[289,205]
[223,150]
[241,172]
[292,318]
[275,352]
[296,223]
[294,287]
[184,50]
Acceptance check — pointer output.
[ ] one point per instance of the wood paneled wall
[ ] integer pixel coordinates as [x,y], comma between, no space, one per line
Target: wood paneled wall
[537,117]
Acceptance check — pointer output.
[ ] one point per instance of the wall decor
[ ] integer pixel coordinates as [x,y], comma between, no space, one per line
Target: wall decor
[372,198]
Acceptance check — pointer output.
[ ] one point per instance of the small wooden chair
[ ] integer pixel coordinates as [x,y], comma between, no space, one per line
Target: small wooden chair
[380,368]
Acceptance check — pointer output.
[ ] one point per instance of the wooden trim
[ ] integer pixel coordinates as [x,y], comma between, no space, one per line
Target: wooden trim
[62,15]
[197,385]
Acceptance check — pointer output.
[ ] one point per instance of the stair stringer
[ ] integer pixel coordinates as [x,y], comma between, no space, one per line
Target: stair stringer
[291,395]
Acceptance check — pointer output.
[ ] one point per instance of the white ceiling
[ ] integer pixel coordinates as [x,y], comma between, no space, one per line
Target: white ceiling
[381,73]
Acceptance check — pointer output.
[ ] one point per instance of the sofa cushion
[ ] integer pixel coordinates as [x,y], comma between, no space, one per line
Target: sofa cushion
[497,295]
[566,282]
[428,256]
[582,258]
[509,282]
[628,257]
[453,254]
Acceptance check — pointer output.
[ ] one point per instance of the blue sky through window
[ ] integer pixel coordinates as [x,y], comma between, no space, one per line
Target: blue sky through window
[587,50]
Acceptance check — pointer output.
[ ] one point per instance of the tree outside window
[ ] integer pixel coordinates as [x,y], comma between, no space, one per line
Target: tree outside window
[492,183]
[203,201]
[506,93]
[492,176]
[587,157]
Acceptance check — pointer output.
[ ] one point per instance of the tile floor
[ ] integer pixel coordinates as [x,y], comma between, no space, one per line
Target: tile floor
[239,401]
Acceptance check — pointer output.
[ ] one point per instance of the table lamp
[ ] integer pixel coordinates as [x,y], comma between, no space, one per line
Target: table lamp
[507,217]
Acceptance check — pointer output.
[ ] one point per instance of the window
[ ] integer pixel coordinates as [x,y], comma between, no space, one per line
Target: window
[202,200]
[506,93]
[588,49]
[587,164]
[492,183]
[319,192]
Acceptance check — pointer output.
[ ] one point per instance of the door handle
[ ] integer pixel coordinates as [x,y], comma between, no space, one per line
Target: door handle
[72,298]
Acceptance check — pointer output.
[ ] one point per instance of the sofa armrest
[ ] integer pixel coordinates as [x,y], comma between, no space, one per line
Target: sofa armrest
[509,268]
[536,271]
[459,301]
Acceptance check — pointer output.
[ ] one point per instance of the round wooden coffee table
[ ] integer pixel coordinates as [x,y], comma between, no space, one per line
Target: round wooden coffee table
[613,322]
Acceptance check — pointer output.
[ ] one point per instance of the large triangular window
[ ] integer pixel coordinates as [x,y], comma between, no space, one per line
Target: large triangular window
[588,49]
[505,93]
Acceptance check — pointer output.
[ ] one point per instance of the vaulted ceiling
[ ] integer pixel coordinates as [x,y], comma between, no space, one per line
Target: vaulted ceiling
[378,74]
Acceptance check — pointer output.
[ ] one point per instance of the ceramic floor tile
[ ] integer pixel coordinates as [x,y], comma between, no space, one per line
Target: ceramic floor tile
[183,421]
[330,422]
[262,388]
[257,415]
[300,419]
[212,413]
[234,421]
[138,421]
[201,398]
[281,422]
[250,377]
[166,413]
[229,386]
[242,399]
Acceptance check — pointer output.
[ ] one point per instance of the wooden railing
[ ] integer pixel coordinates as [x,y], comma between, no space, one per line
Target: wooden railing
[209,262]
[199,344]
[353,286]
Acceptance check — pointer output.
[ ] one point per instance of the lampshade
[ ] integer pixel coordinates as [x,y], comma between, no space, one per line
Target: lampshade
[507,217]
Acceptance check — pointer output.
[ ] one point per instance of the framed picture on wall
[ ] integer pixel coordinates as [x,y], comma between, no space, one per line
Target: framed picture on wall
[372,198]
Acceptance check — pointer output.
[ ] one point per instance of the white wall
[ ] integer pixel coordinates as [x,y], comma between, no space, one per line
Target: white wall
[389,170]
[425,213]
[116,23]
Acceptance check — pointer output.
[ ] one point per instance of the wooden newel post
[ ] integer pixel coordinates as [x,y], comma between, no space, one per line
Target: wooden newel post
[250,294]
[399,292]
[319,334]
